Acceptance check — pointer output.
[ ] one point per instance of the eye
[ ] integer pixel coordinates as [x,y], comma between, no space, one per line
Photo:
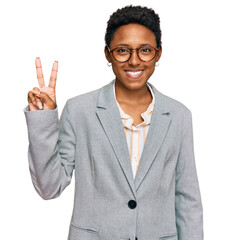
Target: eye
[146,50]
[122,50]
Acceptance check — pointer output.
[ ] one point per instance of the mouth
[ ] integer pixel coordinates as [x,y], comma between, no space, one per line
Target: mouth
[134,73]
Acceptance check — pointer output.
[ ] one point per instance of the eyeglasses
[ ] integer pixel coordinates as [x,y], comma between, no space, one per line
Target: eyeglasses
[123,54]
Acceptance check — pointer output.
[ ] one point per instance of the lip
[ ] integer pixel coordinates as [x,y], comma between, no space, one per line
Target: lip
[134,70]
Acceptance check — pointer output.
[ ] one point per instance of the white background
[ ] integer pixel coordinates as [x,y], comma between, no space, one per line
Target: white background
[192,70]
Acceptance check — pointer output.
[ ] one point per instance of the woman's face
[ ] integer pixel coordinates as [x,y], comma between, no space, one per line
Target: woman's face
[133,36]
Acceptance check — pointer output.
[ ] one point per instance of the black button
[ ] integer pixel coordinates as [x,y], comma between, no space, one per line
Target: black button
[136,238]
[132,204]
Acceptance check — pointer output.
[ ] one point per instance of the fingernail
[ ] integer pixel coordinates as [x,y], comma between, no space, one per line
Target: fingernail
[39,105]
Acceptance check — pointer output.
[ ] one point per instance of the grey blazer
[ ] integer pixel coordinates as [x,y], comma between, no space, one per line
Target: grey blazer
[162,202]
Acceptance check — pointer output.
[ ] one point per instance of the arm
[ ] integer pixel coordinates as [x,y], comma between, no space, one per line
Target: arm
[188,205]
[51,151]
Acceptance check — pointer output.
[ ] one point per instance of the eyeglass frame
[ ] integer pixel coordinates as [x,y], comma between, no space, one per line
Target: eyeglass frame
[137,51]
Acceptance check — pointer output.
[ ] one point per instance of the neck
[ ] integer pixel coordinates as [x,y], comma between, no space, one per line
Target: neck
[136,96]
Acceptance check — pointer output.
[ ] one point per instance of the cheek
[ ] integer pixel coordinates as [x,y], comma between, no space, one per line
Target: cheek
[117,69]
[151,67]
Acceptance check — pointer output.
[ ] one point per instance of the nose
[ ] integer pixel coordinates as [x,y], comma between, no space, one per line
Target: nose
[134,59]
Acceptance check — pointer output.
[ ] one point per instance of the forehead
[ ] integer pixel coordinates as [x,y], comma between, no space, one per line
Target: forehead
[133,34]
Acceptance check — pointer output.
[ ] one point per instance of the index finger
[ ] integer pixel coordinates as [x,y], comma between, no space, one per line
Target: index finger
[53,76]
[39,72]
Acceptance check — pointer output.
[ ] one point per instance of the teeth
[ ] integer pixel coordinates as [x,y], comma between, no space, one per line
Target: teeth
[134,73]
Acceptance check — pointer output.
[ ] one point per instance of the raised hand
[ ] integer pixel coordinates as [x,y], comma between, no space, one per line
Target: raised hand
[43,97]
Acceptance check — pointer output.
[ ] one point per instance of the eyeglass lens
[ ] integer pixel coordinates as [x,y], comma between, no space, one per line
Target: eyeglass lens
[122,54]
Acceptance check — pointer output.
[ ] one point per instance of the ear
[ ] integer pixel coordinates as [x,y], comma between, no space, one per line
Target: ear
[159,54]
[107,54]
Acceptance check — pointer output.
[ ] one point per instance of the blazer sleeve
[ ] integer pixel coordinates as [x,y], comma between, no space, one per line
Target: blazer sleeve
[51,150]
[188,205]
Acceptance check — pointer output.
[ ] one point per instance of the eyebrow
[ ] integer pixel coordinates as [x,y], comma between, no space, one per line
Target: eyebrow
[127,45]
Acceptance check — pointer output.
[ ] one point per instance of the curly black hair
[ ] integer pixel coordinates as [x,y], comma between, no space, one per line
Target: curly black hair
[134,14]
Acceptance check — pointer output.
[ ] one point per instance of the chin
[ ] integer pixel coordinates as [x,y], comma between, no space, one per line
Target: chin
[135,84]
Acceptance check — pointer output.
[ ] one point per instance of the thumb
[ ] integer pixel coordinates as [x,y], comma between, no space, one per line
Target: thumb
[49,104]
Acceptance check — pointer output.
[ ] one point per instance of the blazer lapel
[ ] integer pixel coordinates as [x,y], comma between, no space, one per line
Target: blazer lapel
[156,134]
[110,119]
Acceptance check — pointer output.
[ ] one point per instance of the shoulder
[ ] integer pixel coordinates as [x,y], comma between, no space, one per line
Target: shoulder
[179,113]
[176,105]
[170,104]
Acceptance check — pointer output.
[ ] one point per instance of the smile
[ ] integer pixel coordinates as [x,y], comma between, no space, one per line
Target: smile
[134,74]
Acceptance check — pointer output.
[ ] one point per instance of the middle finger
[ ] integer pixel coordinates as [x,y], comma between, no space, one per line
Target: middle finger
[53,77]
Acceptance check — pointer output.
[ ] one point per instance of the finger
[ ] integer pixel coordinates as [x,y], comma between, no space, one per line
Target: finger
[32,107]
[37,99]
[34,100]
[31,98]
[39,72]
[36,91]
[47,101]
[53,76]
[39,103]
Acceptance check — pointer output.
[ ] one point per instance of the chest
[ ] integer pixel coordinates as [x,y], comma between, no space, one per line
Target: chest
[135,111]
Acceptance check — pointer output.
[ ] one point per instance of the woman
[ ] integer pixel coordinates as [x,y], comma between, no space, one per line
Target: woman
[130,145]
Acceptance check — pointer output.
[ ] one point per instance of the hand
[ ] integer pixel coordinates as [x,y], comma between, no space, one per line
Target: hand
[43,97]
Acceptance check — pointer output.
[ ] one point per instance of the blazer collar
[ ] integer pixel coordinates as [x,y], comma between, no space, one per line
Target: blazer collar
[106,98]
[110,119]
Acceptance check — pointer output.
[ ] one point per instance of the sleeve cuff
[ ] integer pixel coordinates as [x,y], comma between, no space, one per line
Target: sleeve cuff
[26,109]
[40,118]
